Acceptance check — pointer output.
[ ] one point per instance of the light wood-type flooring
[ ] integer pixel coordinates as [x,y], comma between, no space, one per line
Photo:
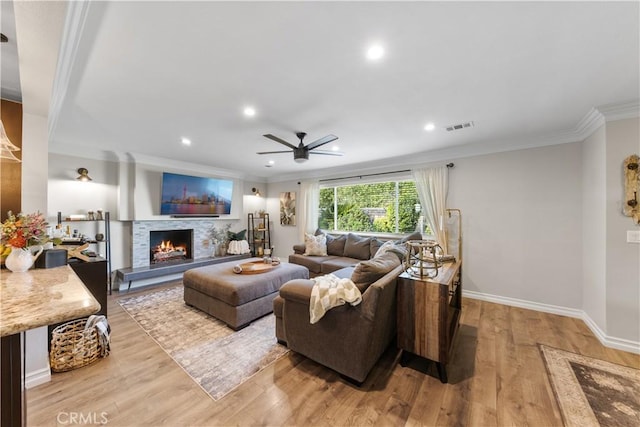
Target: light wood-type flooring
[497,377]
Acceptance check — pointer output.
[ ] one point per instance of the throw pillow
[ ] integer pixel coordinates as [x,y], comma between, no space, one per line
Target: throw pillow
[335,245]
[416,235]
[357,247]
[384,248]
[367,272]
[398,249]
[315,245]
[374,245]
[240,235]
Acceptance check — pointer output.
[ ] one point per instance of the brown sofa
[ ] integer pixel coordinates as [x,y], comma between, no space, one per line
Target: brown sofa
[348,339]
[344,250]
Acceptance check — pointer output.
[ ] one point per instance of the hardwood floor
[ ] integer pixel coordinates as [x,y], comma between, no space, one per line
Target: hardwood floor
[496,377]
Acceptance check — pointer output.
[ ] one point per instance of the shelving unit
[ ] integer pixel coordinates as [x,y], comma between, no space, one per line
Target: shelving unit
[259,233]
[106,230]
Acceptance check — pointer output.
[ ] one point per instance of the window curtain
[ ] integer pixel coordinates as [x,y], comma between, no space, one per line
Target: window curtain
[432,185]
[308,209]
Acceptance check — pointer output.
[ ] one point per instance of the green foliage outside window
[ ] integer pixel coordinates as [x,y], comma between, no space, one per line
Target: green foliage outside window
[385,207]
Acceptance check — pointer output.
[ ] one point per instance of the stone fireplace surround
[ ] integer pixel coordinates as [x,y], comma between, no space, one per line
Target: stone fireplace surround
[201,227]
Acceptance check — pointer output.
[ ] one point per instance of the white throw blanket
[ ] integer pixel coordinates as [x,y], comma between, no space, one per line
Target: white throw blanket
[104,332]
[330,291]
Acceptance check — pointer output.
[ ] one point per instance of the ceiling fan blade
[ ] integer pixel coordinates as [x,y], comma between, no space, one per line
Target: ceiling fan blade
[281,141]
[324,140]
[274,152]
[327,153]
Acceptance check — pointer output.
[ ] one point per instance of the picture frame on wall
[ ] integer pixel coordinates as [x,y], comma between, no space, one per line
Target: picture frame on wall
[288,208]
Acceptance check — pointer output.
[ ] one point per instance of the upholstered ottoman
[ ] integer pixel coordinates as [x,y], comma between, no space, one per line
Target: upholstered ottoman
[237,299]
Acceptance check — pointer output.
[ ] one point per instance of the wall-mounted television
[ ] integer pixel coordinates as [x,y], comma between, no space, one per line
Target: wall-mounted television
[195,195]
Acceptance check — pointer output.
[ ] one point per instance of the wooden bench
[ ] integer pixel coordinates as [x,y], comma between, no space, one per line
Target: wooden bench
[157,270]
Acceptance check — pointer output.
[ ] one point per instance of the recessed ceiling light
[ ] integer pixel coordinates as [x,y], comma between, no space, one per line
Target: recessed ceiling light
[185,141]
[335,148]
[271,162]
[375,52]
[249,111]
[429,127]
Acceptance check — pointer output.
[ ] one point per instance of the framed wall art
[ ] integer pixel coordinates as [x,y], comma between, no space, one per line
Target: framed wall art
[288,208]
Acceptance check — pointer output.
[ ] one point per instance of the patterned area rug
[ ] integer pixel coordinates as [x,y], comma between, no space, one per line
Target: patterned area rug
[216,357]
[593,392]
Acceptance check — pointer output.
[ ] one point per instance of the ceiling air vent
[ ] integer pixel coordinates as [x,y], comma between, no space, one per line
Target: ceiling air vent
[459,126]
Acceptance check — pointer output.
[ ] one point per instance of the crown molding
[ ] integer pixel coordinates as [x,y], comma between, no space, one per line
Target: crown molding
[74,26]
[594,119]
[589,124]
[626,110]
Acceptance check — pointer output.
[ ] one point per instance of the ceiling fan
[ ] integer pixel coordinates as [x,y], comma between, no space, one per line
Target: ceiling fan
[301,152]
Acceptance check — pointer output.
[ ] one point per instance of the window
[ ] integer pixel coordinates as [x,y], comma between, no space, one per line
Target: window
[382,207]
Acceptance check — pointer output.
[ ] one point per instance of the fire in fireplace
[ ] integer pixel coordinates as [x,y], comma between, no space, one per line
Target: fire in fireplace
[170,245]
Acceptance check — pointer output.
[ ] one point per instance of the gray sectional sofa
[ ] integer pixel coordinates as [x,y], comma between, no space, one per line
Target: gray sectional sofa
[348,339]
[344,250]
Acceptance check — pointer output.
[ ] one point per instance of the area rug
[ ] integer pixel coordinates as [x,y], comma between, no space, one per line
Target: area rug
[592,392]
[216,357]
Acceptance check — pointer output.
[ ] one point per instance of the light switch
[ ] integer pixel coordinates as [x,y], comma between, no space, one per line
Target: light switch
[633,236]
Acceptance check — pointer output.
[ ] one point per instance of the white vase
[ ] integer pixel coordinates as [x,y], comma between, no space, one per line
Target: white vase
[20,260]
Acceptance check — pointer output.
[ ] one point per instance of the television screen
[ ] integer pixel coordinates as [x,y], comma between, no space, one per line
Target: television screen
[194,195]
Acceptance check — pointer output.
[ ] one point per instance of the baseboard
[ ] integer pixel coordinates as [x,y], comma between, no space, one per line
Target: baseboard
[515,302]
[612,342]
[607,341]
[41,376]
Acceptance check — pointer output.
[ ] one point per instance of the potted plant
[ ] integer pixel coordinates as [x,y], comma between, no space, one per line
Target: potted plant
[219,237]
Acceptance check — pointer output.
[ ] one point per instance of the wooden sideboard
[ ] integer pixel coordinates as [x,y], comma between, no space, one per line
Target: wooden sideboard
[429,315]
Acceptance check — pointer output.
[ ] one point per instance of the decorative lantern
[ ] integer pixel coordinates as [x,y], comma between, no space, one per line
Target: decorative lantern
[423,258]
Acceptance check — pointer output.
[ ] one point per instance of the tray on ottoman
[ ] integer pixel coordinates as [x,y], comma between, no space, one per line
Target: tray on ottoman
[237,299]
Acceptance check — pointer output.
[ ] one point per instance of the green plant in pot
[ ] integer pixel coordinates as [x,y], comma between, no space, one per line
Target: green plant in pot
[219,238]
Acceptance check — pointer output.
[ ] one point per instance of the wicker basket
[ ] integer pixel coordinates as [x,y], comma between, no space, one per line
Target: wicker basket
[72,347]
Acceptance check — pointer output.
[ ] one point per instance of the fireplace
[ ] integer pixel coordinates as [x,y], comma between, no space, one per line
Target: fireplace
[170,245]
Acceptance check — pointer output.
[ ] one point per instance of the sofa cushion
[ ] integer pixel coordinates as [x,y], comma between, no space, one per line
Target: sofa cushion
[416,235]
[367,272]
[399,249]
[382,249]
[315,245]
[357,247]
[374,245]
[313,263]
[335,245]
[337,263]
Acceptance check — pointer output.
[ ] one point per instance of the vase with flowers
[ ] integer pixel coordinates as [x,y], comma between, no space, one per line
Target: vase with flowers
[19,233]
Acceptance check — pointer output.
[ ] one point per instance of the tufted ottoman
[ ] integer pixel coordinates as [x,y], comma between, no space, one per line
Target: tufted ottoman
[237,299]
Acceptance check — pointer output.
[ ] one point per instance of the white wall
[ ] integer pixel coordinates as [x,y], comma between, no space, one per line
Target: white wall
[283,236]
[34,198]
[69,196]
[623,259]
[594,251]
[521,222]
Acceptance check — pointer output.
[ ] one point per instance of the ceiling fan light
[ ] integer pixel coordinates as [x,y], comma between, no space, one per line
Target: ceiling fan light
[300,159]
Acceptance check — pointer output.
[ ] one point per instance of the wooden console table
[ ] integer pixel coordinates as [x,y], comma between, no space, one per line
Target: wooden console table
[429,315]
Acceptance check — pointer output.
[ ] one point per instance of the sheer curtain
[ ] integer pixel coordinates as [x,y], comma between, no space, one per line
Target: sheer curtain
[308,208]
[432,185]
